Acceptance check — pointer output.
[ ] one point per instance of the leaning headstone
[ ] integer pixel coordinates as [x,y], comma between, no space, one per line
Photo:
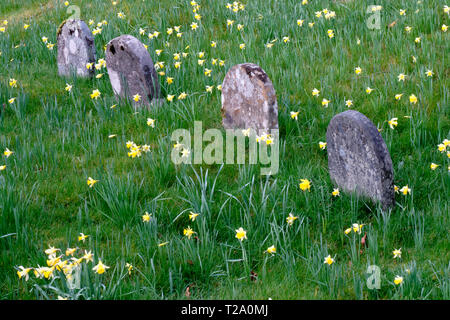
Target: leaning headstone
[358,158]
[131,70]
[76,49]
[248,99]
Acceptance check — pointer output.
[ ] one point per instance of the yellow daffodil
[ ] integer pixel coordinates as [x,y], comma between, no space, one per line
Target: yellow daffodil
[330,33]
[146,217]
[23,272]
[393,123]
[68,87]
[271,249]
[433,166]
[290,219]
[137,97]
[405,190]
[398,280]
[91,182]
[82,237]
[129,267]
[51,251]
[193,215]
[413,99]
[322,145]
[151,122]
[95,94]
[305,184]
[441,147]
[13,83]
[188,232]
[8,152]
[88,256]
[335,192]
[328,260]
[70,251]
[241,234]
[294,115]
[100,268]
[357,227]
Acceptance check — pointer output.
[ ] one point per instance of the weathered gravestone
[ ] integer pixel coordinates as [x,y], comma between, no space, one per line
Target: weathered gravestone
[248,99]
[131,70]
[76,49]
[358,159]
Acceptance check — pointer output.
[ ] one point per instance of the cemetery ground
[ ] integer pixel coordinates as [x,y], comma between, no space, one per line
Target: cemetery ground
[299,242]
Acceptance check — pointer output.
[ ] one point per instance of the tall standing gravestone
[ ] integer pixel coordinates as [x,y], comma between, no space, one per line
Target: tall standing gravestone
[358,158]
[248,99]
[131,70]
[76,48]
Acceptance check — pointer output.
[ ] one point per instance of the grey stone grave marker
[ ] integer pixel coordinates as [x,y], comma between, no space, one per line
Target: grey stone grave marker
[248,99]
[131,70]
[76,49]
[358,158]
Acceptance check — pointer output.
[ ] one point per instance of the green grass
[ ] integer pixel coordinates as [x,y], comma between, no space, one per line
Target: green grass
[59,139]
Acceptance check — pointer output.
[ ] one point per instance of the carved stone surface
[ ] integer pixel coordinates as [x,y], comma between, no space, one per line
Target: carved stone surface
[248,99]
[76,49]
[131,70]
[358,158]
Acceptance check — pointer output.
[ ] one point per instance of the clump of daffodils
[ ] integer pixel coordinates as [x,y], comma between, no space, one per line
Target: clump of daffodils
[442,147]
[59,262]
[236,6]
[136,150]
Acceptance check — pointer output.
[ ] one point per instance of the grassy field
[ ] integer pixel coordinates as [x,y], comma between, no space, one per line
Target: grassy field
[60,138]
